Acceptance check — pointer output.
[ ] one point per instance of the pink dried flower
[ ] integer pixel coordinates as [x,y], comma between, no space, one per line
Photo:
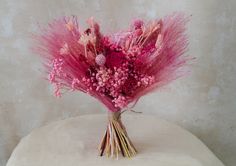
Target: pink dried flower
[57,90]
[75,82]
[138,24]
[120,101]
[116,69]
[65,49]
[56,69]
[70,25]
[100,59]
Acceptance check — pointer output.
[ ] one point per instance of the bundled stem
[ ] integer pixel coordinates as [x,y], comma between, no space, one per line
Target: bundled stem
[115,139]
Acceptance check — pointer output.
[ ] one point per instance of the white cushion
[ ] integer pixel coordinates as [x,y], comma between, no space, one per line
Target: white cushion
[74,142]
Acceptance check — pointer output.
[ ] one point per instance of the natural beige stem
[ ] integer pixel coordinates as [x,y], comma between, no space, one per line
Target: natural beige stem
[115,139]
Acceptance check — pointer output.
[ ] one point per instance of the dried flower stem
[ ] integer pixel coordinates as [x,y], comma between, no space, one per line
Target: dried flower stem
[116,139]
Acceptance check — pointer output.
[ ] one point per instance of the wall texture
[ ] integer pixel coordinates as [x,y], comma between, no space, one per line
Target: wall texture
[203,102]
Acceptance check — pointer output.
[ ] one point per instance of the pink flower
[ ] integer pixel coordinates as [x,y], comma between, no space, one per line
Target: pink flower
[119,68]
[57,90]
[100,59]
[65,49]
[115,59]
[120,101]
[74,83]
[138,24]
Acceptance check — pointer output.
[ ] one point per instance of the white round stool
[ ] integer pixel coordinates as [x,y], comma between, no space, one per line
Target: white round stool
[74,142]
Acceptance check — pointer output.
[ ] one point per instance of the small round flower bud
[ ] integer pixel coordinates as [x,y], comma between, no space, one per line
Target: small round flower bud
[100,59]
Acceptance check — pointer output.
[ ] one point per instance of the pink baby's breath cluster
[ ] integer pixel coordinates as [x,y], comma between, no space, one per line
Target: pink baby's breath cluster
[56,69]
[116,69]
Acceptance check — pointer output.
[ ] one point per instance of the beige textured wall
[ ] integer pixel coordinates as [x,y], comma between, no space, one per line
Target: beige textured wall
[203,102]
